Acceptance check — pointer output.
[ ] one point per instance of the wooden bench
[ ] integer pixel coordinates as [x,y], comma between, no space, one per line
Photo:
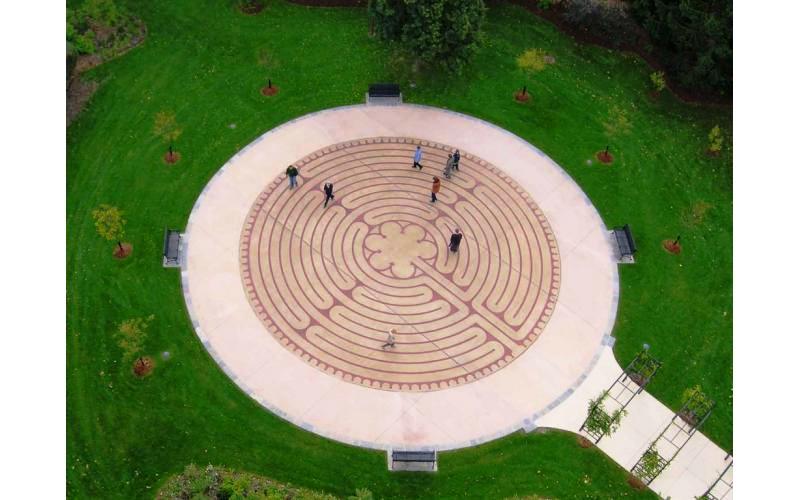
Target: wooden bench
[627,247]
[384,93]
[172,247]
[413,461]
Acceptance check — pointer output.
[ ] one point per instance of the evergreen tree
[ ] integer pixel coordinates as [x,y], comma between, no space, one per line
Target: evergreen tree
[435,31]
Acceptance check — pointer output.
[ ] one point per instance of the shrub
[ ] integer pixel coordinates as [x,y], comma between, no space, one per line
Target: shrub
[361,494]
[658,81]
[445,32]
[693,39]
[606,20]
[217,483]
[99,26]
[546,4]
[715,140]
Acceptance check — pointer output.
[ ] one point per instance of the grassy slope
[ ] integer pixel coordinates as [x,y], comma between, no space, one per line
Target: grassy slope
[201,61]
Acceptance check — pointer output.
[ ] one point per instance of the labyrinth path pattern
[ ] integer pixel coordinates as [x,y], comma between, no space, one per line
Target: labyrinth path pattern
[329,283]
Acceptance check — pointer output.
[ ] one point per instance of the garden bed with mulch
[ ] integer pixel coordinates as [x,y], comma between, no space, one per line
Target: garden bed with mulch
[555,13]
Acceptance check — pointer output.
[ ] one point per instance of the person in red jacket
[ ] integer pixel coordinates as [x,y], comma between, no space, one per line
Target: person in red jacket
[437,184]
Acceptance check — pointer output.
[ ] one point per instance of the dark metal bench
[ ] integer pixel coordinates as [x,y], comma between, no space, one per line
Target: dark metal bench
[172,246]
[384,93]
[413,460]
[627,247]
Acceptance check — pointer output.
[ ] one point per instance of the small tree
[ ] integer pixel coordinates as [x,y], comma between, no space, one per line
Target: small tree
[131,335]
[658,80]
[435,31]
[618,122]
[167,129]
[532,60]
[715,140]
[110,225]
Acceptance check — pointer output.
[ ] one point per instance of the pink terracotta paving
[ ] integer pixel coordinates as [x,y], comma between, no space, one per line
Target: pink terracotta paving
[329,283]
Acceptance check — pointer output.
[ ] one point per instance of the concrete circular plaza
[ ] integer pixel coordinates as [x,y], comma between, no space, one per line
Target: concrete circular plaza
[294,299]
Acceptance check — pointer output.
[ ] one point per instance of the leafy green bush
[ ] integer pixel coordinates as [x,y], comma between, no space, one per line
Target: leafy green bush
[218,483]
[99,26]
[598,421]
[693,39]
[606,20]
[650,463]
[445,32]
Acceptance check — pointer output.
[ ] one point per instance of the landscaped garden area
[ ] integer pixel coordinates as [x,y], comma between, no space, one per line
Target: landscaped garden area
[145,399]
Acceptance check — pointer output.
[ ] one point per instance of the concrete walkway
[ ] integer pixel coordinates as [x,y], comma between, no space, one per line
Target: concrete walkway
[295,300]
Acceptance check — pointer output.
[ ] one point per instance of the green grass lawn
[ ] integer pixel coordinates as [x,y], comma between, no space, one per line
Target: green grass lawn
[205,62]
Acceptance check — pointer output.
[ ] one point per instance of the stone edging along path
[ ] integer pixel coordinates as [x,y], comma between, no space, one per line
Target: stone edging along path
[293,300]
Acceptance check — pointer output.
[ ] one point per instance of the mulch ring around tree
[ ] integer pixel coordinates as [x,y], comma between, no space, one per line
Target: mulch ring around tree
[268,91]
[251,8]
[672,246]
[605,157]
[520,97]
[172,158]
[124,252]
[143,366]
[583,442]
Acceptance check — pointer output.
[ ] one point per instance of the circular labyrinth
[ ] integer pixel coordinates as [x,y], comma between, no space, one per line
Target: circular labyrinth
[330,282]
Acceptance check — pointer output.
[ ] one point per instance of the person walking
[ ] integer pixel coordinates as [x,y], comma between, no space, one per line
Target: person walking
[455,240]
[328,188]
[417,158]
[292,173]
[448,168]
[389,340]
[456,159]
[437,184]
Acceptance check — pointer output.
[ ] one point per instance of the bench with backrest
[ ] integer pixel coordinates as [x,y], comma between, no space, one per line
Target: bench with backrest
[624,237]
[172,245]
[413,460]
[384,93]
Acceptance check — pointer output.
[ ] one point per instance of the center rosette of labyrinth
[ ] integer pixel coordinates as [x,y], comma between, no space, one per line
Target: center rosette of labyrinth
[330,282]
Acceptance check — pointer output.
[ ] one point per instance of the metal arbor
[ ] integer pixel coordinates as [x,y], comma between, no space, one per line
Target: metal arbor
[684,423]
[633,379]
[723,486]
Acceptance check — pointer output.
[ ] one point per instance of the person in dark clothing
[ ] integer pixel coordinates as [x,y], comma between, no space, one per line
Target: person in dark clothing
[291,173]
[456,159]
[328,188]
[448,168]
[455,240]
